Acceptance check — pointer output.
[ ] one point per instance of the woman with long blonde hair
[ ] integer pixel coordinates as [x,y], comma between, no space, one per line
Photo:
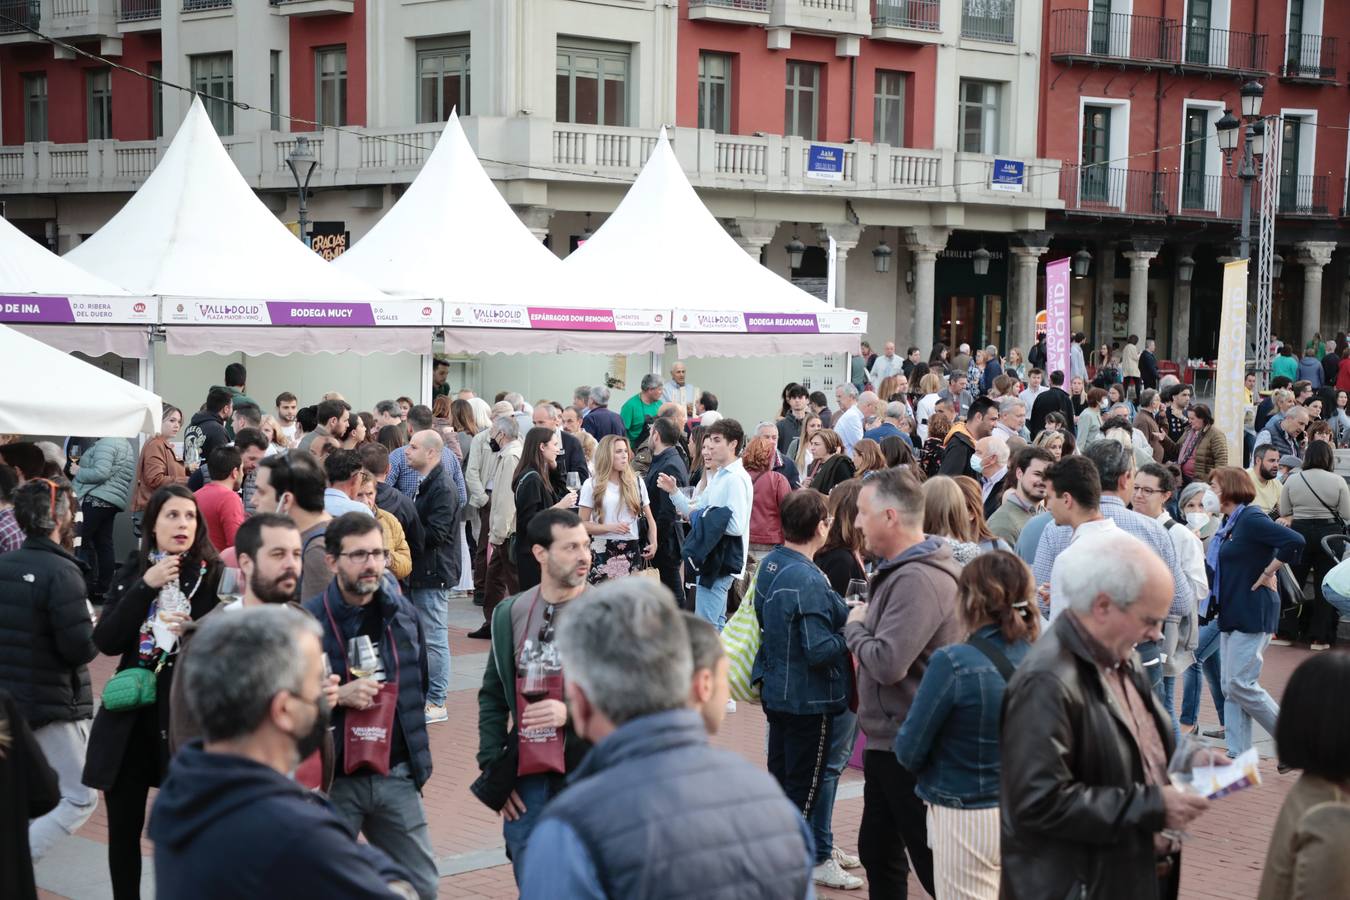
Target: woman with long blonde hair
[929,388]
[276,438]
[612,519]
[800,448]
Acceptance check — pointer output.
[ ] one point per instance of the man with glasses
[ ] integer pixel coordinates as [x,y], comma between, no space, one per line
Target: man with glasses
[526,624]
[381,763]
[1085,794]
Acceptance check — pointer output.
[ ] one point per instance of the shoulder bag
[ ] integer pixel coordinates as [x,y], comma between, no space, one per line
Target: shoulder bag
[1340,523]
[993,654]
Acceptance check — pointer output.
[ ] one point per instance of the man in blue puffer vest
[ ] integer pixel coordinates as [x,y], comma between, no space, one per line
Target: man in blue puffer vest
[654,811]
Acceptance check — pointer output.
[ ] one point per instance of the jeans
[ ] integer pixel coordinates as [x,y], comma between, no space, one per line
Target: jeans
[710,603]
[798,751]
[63,743]
[1339,602]
[433,609]
[1150,657]
[894,821]
[843,734]
[96,547]
[1206,661]
[1246,699]
[388,810]
[533,791]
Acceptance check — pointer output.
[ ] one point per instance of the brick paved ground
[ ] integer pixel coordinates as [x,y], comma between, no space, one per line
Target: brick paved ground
[1222,858]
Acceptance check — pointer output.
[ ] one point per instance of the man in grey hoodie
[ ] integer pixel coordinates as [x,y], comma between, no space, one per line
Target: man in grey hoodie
[911,613]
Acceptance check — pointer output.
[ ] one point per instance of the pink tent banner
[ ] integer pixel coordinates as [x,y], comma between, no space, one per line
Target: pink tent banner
[555,318]
[34,309]
[1057,331]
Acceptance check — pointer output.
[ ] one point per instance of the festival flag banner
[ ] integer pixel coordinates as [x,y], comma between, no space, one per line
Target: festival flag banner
[1057,329]
[1229,396]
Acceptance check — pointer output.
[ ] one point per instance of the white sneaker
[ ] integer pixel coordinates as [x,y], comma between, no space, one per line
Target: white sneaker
[731,706]
[845,860]
[436,714]
[1281,642]
[1318,645]
[828,874]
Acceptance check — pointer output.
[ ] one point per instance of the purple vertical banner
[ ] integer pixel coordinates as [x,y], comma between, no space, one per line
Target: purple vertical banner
[1057,331]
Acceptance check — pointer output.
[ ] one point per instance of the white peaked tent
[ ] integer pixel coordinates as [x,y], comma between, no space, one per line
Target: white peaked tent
[70,397]
[47,297]
[197,236]
[452,236]
[662,249]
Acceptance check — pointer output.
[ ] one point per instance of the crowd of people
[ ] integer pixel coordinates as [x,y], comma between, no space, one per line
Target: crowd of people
[959,558]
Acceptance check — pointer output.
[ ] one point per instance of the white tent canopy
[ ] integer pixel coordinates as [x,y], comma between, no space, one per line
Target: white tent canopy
[197,236]
[452,236]
[663,249]
[26,267]
[70,397]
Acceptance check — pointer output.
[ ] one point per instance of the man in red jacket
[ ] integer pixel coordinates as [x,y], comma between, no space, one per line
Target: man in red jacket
[222,509]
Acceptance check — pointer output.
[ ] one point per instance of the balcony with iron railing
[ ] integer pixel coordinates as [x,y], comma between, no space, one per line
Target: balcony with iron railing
[138,10]
[739,12]
[1309,58]
[1115,191]
[538,149]
[191,6]
[915,15]
[1304,196]
[17,16]
[1214,197]
[988,20]
[1144,41]
[1208,50]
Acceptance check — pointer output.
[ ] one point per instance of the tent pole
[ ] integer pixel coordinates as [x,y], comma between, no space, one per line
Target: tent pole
[426,378]
[654,363]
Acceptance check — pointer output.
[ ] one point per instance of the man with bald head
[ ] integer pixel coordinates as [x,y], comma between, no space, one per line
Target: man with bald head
[678,389]
[849,424]
[1086,743]
[436,562]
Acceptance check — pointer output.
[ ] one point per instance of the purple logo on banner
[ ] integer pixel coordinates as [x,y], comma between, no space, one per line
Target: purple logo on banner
[781,323]
[1057,331]
[286,312]
[35,309]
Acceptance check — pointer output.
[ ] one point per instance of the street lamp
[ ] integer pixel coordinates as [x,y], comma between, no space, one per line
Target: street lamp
[302,164]
[980,261]
[1082,262]
[795,248]
[1251,94]
[881,256]
[1276,267]
[1185,269]
[1226,131]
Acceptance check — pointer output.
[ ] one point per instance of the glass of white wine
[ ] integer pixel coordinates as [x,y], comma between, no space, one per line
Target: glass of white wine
[857,592]
[573,481]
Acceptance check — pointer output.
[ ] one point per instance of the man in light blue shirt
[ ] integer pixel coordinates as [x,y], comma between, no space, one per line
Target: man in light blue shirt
[1077,364]
[849,423]
[404,477]
[729,488]
[343,469]
[887,364]
[677,390]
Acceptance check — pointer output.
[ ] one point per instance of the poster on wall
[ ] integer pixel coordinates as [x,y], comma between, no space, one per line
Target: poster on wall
[329,239]
[1230,397]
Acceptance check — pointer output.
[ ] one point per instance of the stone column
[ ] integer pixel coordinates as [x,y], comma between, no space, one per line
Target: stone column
[753,235]
[846,237]
[1138,318]
[1104,270]
[1181,309]
[1312,255]
[925,243]
[537,219]
[1022,312]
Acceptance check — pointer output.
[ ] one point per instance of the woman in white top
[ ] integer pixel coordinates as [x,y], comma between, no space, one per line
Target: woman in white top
[929,386]
[612,521]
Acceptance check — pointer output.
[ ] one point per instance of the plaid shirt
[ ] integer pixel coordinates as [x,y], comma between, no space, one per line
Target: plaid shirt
[1056,537]
[406,478]
[11,536]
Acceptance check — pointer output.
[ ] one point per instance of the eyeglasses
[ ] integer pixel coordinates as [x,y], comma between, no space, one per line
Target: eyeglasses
[1148,491]
[361,556]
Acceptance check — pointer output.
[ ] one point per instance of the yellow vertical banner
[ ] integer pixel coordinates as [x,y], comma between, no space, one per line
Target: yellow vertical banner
[1230,399]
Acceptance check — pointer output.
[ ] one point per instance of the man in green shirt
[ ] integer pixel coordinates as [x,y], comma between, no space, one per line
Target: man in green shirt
[440,373]
[645,404]
[1023,501]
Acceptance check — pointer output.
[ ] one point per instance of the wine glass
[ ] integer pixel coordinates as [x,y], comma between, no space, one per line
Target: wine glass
[573,481]
[857,592]
[534,681]
[689,490]
[231,587]
[365,662]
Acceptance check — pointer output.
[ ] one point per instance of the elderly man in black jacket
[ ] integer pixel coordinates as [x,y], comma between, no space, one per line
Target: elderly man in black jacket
[46,642]
[436,563]
[666,459]
[1086,742]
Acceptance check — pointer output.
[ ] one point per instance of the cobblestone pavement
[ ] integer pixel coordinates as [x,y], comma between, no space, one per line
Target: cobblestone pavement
[1222,858]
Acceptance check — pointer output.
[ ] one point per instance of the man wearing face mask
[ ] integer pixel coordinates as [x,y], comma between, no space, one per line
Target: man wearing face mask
[232,791]
[383,757]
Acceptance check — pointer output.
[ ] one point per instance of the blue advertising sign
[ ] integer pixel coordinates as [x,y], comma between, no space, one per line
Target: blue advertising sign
[825,163]
[1008,175]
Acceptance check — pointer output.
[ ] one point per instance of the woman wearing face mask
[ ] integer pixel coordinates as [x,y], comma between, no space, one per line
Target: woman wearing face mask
[1200,506]
[1090,419]
[168,581]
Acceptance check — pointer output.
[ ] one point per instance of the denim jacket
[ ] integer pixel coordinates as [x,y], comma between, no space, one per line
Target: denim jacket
[803,660]
[950,739]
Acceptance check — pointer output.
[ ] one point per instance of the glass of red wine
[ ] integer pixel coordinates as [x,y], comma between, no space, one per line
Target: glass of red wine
[534,682]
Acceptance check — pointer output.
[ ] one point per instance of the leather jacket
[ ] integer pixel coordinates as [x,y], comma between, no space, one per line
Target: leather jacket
[1078,819]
